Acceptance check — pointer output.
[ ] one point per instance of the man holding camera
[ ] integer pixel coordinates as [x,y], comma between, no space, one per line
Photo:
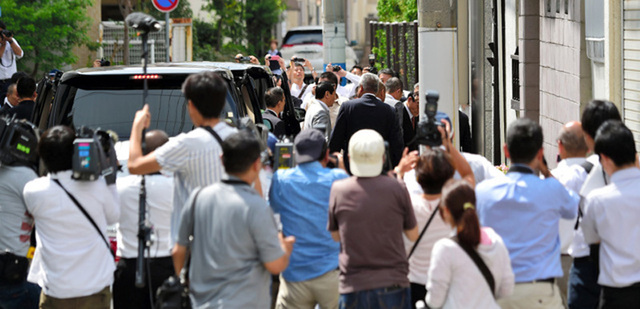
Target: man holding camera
[10,51]
[73,263]
[16,225]
[301,196]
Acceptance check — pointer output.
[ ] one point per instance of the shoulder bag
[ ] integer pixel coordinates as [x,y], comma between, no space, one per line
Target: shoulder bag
[424,229]
[174,293]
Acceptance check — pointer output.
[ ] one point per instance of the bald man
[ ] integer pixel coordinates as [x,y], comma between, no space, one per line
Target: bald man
[12,98]
[159,197]
[571,172]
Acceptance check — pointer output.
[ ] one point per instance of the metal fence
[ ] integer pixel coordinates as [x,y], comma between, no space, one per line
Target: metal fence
[396,47]
[112,39]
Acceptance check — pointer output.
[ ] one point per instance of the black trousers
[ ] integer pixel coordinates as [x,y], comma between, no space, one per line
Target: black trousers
[620,298]
[125,293]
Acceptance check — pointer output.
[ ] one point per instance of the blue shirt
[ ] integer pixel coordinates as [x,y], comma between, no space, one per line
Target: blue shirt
[301,196]
[525,211]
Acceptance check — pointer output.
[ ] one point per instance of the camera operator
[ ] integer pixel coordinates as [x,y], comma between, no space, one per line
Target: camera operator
[73,263]
[10,51]
[26,93]
[16,225]
[296,74]
[159,197]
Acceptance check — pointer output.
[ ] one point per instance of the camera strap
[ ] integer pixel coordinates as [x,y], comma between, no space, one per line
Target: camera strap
[86,214]
[424,229]
[215,135]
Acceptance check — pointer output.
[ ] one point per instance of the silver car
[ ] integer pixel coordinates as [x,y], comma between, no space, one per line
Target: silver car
[306,42]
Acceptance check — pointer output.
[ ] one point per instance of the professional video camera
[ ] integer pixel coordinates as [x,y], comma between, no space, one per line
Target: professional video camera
[94,155]
[18,142]
[427,132]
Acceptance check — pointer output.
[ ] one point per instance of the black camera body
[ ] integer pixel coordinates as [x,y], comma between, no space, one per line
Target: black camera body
[7,34]
[427,130]
[18,142]
[298,59]
[105,63]
[336,68]
[243,59]
[94,156]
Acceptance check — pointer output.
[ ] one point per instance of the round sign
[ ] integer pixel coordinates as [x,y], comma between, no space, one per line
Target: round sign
[165,5]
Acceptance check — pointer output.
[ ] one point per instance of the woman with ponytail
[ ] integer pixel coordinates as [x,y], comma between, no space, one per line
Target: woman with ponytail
[455,279]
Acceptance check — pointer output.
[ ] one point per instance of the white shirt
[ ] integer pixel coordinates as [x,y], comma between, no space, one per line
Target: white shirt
[455,281]
[295,90]
[349,90]
[571,175]
[390,100]
[421,258]
[159,208]
[611,217]
[71,258]
[194,160]
[596,179]
[8,66]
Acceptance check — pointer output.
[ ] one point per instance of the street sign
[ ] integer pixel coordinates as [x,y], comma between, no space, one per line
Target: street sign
[165,5]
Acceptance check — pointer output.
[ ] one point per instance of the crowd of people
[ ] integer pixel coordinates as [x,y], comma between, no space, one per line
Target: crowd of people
[364,220]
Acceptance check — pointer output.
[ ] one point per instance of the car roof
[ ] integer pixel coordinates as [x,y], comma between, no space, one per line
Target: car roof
[157,68]
[306,28]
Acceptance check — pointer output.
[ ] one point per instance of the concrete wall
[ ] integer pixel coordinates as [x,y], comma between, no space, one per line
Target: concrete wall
[86,56]
[565,71]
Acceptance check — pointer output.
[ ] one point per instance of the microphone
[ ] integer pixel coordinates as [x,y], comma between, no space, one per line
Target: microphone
[142,22]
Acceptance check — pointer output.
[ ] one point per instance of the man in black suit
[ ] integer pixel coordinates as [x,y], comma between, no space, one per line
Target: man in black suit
[367,112]
[407,113]
[274,99]
[26,88]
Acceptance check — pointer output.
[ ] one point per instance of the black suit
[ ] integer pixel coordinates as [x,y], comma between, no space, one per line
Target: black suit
[24,110]
[407,125]
[277,125]
[466,143]
[367,112]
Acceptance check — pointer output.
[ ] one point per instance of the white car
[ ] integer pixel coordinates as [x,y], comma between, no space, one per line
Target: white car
[306,42]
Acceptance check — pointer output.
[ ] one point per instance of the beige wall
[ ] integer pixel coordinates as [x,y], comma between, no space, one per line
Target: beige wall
[86,56]
[565,71]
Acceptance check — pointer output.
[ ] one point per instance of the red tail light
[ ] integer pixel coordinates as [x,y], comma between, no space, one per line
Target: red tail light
[147,76]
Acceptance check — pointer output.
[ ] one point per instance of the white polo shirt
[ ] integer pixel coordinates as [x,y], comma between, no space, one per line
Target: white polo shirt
[71,258]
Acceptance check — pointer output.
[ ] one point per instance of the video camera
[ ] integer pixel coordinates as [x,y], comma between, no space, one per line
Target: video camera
[427,131]
[94,155]
[18,142]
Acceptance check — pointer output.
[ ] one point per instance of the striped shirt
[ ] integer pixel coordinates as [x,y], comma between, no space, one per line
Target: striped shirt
[194,160]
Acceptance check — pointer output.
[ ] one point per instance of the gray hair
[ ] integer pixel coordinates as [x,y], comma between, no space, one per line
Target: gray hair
[369,83]
[393,84]
[417,85]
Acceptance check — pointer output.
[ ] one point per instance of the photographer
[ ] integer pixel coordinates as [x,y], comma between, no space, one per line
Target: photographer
[73,263]
[159,197]
[16,225]
[10,51]
[296,72]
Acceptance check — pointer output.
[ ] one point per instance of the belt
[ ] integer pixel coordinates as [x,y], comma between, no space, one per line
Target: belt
[547,280]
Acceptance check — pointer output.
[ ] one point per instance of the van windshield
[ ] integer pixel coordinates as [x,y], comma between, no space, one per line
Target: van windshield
[114,110]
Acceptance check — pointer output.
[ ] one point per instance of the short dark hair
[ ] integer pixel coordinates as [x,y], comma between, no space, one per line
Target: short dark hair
[208,93]
[56,148]
[615,140]
[387,71]
[323,88]
[239,151]
[433,170]
[596,113]
[272,96]
[17,76]
[356,67]
[329,76]
[26,86]
[393,84]
[2,25]
[524,140]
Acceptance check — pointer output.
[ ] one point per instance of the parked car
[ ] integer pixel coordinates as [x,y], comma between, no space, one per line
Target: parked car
[306,42]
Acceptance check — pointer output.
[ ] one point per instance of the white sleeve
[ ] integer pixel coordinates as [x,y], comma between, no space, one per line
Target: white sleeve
[439,275]
[112,205]
[507,280]
[588,223]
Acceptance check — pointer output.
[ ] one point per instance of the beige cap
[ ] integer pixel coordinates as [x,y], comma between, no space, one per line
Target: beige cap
[366,153]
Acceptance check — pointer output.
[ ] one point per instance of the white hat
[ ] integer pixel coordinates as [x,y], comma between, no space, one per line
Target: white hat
[366,153]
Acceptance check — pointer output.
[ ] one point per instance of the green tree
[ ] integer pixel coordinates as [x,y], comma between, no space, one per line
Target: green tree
[397,10]
[47,31]
[261,17]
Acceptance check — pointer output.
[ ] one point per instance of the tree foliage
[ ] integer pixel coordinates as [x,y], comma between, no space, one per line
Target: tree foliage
[47,31]
[397,10]
[261,16]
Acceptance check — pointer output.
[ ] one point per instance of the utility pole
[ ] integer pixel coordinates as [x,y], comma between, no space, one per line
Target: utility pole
[438,52]
[333,33]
